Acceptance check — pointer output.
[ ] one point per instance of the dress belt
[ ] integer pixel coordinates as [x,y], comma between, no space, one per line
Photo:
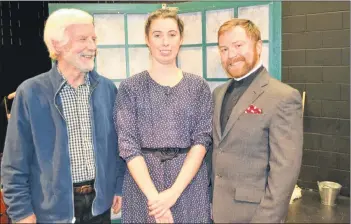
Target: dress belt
[165,154]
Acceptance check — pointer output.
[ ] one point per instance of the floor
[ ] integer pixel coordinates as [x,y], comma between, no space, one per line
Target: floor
[308,209]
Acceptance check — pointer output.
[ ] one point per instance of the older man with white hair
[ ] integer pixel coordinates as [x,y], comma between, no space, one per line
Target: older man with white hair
[60,161]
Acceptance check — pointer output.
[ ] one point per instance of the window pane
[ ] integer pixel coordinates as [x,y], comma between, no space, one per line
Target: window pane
[214,19]
[136,27]
[109,28]
[213,85]
[139,60]
[214,66]
[259,15]
[192,27]
[111,63]
[190,60]
[117,84]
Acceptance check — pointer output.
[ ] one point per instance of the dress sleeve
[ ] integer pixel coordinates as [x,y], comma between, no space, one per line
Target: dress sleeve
[202,132]
[125,119]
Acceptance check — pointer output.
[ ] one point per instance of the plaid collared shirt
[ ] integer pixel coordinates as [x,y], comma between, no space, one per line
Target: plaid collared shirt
[76,111]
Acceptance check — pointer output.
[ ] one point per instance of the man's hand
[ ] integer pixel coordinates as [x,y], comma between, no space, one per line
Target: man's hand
[165,200]
[11,95]
[30,219]
[117,204]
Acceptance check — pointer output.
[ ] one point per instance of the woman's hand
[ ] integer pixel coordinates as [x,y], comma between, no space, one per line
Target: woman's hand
[166,218]
[163,202]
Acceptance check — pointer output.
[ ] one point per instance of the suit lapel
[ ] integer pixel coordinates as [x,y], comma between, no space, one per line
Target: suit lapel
[218,108]
[250,95]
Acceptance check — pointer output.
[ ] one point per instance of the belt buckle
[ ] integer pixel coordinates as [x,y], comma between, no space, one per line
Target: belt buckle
[84,189]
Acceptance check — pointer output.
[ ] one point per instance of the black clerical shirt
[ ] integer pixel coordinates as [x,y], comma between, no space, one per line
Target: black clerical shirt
[235,90]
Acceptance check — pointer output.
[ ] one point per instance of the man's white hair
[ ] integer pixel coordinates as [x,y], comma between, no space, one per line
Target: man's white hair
[57,23]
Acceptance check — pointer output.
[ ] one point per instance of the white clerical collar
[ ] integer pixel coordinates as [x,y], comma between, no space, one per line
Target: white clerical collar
[251,71]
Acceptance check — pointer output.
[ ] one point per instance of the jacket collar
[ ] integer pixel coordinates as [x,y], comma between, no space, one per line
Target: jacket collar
[255,89]
[57,80]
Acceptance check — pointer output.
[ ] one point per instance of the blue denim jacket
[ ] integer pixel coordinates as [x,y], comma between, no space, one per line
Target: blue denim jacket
[36,171]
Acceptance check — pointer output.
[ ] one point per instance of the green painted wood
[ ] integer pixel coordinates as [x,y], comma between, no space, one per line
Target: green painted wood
[214,5]
[204,48]
[102,8]
[217,79]
[275,17]
[275,36]
[126,50]
[117,80]
[236,12]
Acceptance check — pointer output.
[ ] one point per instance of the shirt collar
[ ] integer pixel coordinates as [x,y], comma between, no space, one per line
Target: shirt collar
[86,77]
[251,71]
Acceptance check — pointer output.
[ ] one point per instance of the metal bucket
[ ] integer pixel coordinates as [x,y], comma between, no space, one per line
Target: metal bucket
[328,191]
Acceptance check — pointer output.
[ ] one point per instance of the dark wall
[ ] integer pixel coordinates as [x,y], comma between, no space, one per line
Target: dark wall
[22,50]
[23,53]
[316,59]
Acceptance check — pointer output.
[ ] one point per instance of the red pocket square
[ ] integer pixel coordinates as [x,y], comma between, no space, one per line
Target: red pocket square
[252,109]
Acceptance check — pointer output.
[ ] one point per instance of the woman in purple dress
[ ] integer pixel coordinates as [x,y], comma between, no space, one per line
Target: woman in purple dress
[163,119]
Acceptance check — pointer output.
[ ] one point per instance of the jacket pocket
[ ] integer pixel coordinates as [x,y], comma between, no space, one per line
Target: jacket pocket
[248,195]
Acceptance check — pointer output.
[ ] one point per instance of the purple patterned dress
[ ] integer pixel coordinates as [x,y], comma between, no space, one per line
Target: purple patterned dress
[149,115]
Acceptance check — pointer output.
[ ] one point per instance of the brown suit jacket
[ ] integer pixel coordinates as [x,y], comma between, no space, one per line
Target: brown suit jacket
[256,160]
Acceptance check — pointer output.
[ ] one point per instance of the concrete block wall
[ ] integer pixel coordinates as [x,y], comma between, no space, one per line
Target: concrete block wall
[316,59]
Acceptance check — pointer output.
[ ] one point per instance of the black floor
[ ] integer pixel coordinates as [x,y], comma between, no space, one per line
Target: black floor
[308,209]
